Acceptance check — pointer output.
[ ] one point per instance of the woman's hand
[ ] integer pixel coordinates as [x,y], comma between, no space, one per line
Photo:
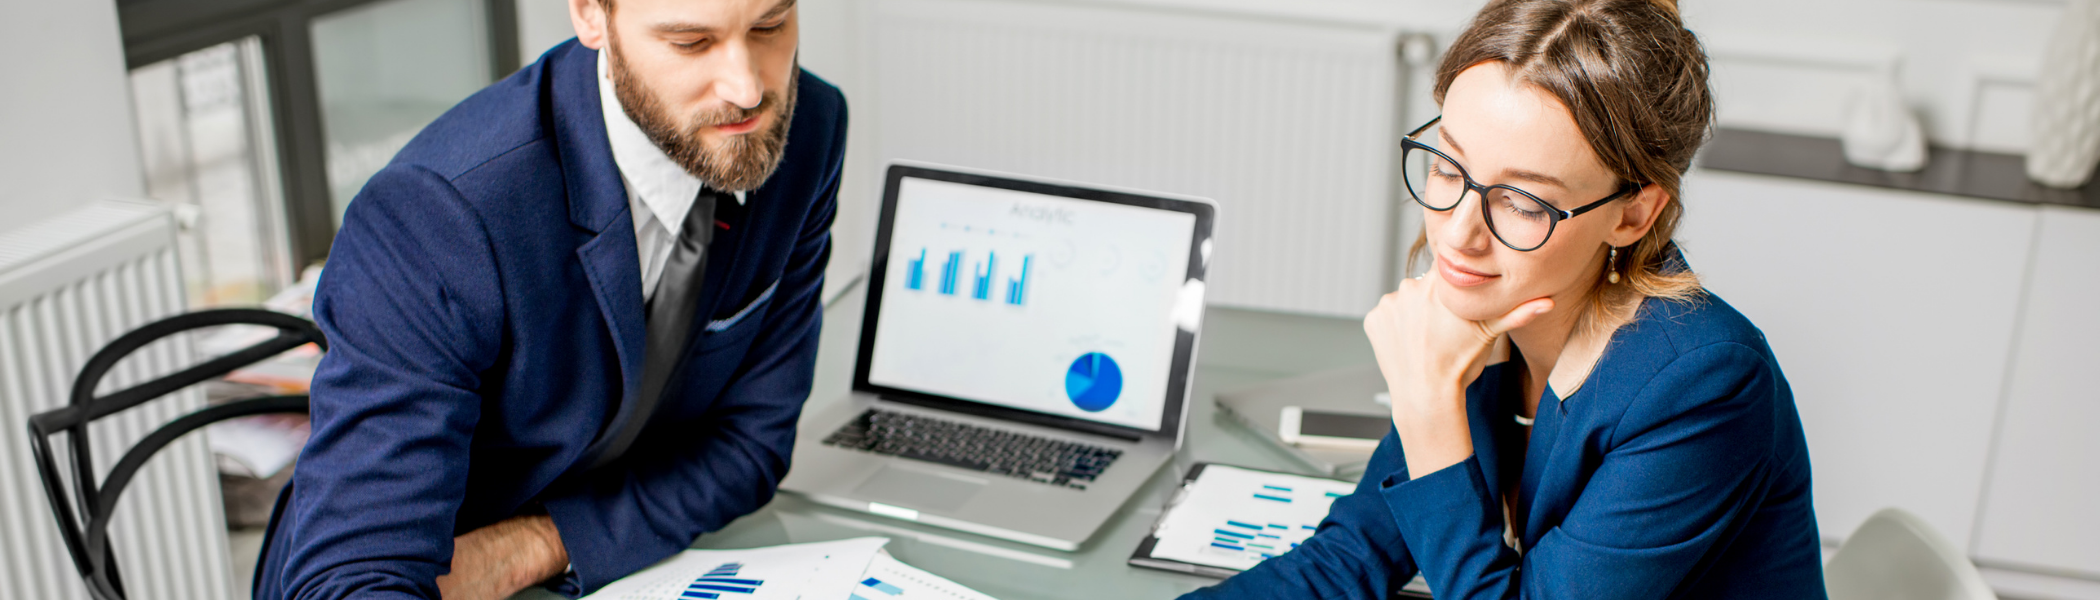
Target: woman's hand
[1428,356]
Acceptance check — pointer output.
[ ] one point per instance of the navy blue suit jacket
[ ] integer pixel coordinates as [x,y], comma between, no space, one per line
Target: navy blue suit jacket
[483,305]
[1678,470]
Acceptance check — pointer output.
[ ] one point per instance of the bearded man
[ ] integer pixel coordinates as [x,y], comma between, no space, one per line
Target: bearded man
[572,324]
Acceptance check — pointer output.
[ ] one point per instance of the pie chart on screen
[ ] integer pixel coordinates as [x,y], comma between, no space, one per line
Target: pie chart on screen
[1094,382]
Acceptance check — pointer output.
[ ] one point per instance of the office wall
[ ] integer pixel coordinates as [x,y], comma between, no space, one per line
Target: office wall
[65,108]
[541,25]
[1966,67]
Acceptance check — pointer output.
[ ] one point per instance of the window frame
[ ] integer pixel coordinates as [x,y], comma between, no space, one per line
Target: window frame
[157,30]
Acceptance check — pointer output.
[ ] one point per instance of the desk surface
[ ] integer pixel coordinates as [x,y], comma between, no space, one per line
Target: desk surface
[1239,348]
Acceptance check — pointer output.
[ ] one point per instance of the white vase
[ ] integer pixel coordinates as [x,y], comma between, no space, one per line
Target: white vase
[1880,131]
[2067,101]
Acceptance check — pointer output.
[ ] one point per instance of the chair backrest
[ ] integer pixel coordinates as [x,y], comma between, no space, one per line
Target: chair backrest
[1895,555]
[86,533]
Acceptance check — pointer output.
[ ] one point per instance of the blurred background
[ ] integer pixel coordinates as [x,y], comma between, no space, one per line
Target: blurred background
[1868,200]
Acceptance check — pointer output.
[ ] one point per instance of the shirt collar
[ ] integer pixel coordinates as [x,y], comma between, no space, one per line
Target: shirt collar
[662,184]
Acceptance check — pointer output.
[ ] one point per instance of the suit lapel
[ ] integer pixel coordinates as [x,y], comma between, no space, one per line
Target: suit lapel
[598,204]
[611,264]
[1481,410]
[1545,435]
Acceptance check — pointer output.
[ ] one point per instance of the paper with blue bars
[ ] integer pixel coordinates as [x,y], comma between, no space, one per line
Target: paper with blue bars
[890,579]
[818,571]
[1235,518]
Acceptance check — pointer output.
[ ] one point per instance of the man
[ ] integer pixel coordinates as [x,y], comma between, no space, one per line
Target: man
[632,230]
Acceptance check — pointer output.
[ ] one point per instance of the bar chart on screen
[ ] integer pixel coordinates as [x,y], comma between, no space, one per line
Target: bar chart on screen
[984,273]
[1034,302]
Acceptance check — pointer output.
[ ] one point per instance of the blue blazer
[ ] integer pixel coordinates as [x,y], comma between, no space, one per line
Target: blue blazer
[484,315]
[1678,470]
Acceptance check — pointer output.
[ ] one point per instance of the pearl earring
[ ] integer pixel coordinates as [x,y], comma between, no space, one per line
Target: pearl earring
[1611,266]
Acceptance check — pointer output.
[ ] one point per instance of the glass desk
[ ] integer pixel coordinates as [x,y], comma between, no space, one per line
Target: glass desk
[1239,348]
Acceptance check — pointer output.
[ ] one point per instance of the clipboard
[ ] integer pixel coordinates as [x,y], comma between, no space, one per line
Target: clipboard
[1146,554]
[1142,557]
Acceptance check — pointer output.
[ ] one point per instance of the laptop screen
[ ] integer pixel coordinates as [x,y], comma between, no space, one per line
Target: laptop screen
[1032,300]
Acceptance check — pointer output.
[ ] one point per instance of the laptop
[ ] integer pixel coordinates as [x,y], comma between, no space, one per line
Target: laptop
[1024,359]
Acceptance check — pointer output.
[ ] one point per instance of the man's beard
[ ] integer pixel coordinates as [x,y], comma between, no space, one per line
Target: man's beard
[741,163]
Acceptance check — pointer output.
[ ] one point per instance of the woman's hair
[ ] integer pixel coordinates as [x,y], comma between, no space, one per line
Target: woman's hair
[1634,80]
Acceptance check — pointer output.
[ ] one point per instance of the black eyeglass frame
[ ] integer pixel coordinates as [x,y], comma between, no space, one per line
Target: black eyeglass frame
[1557,215]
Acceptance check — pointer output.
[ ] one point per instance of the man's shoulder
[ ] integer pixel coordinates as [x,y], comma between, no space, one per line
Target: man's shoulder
[507,116]
[815,94]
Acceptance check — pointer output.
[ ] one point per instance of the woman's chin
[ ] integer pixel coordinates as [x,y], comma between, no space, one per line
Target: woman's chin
[1473,304]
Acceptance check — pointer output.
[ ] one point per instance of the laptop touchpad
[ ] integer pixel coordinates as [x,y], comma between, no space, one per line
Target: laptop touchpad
[918,489]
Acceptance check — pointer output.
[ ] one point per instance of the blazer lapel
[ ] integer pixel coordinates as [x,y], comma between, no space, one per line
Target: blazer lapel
[1481,410]
[598,204]
[1545,435]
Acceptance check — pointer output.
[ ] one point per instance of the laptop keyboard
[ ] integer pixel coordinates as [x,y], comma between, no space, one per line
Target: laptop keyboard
[956,444]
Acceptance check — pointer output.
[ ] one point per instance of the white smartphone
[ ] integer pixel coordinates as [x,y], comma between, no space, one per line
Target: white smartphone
[1321,429]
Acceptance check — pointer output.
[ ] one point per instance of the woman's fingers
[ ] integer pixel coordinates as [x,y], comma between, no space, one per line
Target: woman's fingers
[1517,317]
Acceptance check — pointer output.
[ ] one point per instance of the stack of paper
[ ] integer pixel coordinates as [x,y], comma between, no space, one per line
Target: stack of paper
[854,569]
[1234,518]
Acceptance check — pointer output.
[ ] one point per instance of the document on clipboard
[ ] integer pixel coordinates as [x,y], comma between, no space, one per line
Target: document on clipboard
[1226,519]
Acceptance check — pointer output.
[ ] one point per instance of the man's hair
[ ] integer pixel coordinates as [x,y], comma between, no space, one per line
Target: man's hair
[1636,83]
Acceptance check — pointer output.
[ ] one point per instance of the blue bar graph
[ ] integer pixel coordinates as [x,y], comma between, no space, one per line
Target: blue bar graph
[981,287]
[915,278]
[982,276]
[882,586]
[950,271]
[1017,287]
[721,580]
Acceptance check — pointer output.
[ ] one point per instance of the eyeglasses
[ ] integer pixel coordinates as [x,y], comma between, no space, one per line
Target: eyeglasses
[1524,223]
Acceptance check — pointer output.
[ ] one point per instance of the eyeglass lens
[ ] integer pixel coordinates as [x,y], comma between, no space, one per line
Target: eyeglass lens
[1517,219]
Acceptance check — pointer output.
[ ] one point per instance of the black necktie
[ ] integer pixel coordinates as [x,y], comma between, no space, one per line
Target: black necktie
[671,310]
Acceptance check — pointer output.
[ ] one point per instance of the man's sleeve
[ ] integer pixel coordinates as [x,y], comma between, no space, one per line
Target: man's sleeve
[413,314]
[1686,460]
[624,519]
[1357,553]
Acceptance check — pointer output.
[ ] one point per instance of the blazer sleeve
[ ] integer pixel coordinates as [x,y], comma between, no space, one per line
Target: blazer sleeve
[1356,553]
[1686,461]
[624,519]
[413,314]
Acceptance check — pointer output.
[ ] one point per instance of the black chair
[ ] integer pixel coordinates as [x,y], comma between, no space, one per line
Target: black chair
[87,540]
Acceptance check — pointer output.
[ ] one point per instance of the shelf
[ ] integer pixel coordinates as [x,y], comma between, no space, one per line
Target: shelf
[1967,173]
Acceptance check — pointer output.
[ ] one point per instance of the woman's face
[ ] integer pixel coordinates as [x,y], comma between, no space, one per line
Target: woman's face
[1506,131]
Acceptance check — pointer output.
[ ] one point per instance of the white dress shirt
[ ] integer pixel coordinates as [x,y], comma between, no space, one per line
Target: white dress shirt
[659,190]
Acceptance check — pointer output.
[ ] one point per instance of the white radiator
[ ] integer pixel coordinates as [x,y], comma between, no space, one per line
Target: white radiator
[1289,125]
[68,286]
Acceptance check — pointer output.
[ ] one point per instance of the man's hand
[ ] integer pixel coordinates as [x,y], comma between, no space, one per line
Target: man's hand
[1428,356]
[496,561]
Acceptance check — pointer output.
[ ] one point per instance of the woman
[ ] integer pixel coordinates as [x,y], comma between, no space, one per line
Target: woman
[1574,416]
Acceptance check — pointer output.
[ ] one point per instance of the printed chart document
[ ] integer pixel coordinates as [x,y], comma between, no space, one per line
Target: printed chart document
[818,571]
[890,579]
[1227,519]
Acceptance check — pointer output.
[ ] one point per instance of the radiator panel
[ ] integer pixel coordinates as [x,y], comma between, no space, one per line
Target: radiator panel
[68,286]
[1290,127]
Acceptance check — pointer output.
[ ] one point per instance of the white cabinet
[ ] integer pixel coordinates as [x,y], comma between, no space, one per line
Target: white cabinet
[1892,314]
[2045,474]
